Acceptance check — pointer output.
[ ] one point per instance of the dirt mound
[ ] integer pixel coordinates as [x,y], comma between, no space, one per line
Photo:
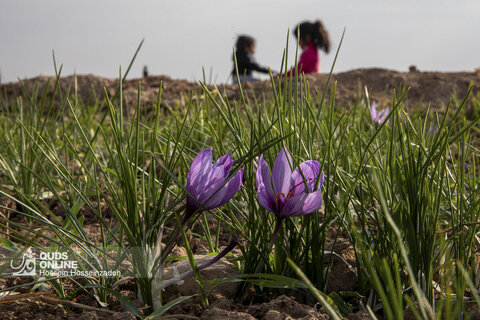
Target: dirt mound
[424,87]
[435,88]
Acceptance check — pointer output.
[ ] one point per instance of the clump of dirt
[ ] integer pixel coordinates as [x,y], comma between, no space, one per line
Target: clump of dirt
[435,88]
[340,255]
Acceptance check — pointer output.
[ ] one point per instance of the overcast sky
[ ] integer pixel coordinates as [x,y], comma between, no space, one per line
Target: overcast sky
[181,36]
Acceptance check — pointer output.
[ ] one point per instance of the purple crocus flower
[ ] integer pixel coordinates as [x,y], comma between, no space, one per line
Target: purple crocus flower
[206,182]
[208,187]
[378,117]
[433,129]
[285,194]
[467,166]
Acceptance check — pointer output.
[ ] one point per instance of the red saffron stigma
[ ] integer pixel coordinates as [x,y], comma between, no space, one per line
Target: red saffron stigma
[290,193]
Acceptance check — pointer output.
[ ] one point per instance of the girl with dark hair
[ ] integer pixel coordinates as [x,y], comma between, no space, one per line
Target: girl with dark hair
[311,37]
[244,51]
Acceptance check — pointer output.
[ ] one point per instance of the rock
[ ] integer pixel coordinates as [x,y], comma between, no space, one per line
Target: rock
[220,302]
[285,308]
[413,68]
[179,252]
[220,269]
[361,315]
[123,316]
[409,315]
[217,314]
[199,246]
[275,315]
[86,315]
[342,275]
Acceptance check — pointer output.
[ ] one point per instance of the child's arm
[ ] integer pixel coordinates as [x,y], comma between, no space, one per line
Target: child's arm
[254,66]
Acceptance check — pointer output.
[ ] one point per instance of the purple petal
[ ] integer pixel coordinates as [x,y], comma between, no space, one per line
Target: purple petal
[197,175]
[225,162]
[302,204]
[265,194]
[198,170]
[282,171]
[310,170]
[204,179]
[382,115]
[263,177]
[226,192]
[387,111]
[214,180]
[322,180]
[266,201]
[373,111]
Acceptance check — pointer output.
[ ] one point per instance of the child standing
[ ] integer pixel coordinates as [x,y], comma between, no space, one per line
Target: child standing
[245,49]
[313,36]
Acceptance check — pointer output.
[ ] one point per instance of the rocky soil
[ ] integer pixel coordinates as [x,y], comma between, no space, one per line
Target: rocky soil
[23,302]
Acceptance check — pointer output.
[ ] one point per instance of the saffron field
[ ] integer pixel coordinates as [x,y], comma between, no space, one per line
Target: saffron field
[277,175]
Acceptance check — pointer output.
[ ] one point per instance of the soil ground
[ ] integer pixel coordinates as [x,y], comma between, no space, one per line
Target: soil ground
[432,89]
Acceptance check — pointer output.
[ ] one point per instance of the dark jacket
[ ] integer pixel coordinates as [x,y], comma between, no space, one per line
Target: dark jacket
[246,64]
